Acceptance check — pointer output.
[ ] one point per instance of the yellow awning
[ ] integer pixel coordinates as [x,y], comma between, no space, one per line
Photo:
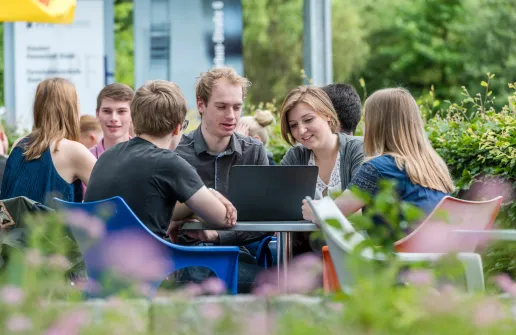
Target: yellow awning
[44,11]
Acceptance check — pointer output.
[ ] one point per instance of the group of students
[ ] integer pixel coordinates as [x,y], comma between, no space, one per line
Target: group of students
[168,177]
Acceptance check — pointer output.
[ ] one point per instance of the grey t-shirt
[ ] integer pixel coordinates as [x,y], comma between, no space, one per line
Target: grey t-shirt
[150,180]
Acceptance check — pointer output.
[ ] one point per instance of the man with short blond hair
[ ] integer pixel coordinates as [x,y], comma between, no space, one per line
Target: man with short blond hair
[213,148]
[147,174]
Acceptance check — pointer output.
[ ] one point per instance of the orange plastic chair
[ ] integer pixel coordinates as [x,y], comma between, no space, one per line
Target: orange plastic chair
[330,279]
[435,233]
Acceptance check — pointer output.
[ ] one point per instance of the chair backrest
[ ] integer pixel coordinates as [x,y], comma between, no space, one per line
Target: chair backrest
[341,242]
[114,212]
[119,222]
[434,234]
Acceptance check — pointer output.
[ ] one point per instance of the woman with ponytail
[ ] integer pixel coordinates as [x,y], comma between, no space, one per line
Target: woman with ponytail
[256,127]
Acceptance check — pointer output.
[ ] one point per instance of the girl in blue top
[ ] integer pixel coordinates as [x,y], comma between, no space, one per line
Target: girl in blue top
[48,161]
[396,148]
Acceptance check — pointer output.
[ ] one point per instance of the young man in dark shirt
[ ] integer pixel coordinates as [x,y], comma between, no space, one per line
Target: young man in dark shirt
[213,148]
[147,174]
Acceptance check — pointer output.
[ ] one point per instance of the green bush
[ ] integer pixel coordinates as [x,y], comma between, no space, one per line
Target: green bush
[478,144]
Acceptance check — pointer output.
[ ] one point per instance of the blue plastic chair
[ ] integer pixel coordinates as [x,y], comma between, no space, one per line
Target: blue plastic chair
[119,218]
[273,247]
[261,252]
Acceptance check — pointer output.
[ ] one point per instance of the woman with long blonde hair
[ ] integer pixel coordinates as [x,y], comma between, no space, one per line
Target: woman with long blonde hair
[396,148]
[49,160]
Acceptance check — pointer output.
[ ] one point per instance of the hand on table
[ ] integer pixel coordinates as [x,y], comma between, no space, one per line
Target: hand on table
[307,211]
[231,212]
[174,226]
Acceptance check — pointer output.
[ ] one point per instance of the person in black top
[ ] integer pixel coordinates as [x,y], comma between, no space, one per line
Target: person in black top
[147,174]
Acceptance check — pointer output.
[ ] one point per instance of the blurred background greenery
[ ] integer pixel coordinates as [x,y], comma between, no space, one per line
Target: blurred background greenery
[413,43]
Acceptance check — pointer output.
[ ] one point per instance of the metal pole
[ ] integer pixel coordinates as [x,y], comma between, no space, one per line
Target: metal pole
[9,59]
[317,40]
[109,41]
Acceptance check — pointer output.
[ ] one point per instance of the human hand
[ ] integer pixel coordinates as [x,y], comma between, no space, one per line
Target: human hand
[231,212]
[204,235]
[307,211]
[174,226]
[242,129]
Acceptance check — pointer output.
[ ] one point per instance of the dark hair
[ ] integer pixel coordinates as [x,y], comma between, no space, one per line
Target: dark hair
[346,103]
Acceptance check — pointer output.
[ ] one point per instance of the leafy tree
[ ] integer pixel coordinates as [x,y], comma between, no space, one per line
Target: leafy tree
[273,47]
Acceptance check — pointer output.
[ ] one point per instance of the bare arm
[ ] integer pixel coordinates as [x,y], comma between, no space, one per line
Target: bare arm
[210,208]
[181,211]
[83,162]
[347,203]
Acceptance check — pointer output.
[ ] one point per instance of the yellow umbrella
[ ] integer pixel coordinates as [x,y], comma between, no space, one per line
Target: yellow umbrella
[45,11]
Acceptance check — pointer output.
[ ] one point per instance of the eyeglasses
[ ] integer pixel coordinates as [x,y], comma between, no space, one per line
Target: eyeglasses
[185,124]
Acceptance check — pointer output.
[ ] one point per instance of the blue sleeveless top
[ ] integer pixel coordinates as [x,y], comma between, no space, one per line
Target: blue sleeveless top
[36,179]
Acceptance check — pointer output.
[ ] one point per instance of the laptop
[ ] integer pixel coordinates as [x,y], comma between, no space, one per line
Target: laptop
[271,193]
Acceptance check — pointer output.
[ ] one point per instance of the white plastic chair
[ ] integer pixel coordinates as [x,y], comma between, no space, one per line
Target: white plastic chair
[341,247]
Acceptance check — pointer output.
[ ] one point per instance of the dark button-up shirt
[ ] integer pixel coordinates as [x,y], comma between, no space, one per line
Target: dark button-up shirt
[214,170]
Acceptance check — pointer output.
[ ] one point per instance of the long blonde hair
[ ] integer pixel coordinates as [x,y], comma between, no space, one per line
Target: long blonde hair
[56,116]
[393,126]
[258,123]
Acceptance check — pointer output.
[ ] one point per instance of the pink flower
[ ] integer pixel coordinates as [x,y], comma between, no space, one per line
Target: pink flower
[11,295]
[214,286]
[59,262]
[256,324]
[419,277]
[18,323]
[70,323]
[443,301]
[212,311]
[303,276]
[137,256]
[92,225]
[33,257]
[506,284]
[488,312]
[191,290]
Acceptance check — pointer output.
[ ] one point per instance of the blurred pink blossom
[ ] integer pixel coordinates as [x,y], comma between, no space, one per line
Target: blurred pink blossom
[506,284]
[11,295]
[191,290]
[92,225]
[266,290]
[33,257]
[70,323]
[419,277]
[303,276]
[443,301]
[214,286]
[488,311]
[256,324]
[137,256]
[212,311]
[18,323]
[485,188]
[59,262]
